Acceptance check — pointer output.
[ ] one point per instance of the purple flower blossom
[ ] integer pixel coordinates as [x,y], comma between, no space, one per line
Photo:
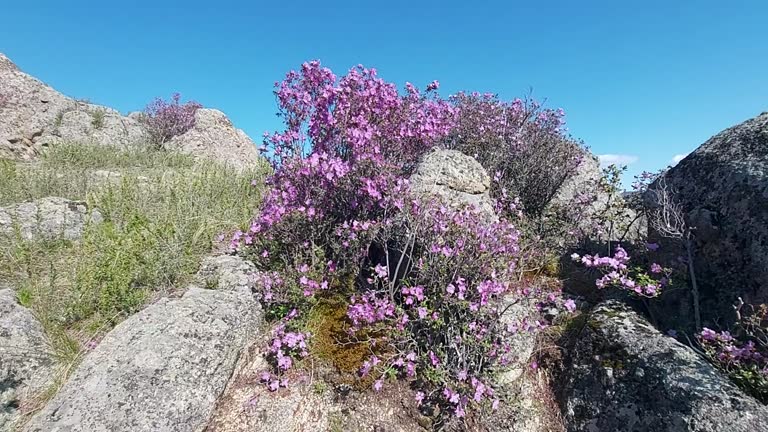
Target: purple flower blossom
[381,271]
[570,305]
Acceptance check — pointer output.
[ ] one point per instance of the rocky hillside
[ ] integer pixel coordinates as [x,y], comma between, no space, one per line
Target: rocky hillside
[185,286]
[34,116]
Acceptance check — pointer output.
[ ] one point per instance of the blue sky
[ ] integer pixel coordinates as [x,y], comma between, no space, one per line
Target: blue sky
[646,80]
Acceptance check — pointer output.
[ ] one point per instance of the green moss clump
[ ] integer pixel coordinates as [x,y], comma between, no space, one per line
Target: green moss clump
[331,341]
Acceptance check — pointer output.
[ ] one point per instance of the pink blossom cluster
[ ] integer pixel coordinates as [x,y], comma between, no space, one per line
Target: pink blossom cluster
[359,116]
[729,351]
[450,299]
[367,309]
[743,354]
[283,348]
[616,273]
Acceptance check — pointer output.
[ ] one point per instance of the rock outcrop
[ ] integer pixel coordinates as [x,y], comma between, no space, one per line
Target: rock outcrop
[93,124]
[162,369]
[723,190]
[456,179]
[26,361]
[47,219]
[214,137]
[624,375]
[584,179]
[28,109]
[226,272]
[34,116]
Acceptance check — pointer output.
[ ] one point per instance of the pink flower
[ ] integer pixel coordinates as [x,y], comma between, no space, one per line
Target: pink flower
[570,305]
[708,334]
[460,411]
[377,385]
[381,271]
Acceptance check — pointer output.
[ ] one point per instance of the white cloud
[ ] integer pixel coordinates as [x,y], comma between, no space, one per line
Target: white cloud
[678,157]
[616,159]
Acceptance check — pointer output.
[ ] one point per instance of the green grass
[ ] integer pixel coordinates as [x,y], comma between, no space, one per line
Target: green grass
[161,216]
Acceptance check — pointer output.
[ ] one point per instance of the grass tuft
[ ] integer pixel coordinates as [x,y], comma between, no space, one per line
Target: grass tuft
[162,212]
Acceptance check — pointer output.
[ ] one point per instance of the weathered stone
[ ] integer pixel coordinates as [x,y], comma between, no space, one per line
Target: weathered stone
[517,309]
[214,137]
[26,361]
[226,272]
[95,125]
[47,218]
[309,404]
[160,370]
[456,179]
[30,107]
[34,116]
[723,189]
[584,179]
[624,375]
[628,224]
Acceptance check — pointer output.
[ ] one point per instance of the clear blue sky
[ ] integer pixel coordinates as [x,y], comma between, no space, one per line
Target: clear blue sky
[646,79]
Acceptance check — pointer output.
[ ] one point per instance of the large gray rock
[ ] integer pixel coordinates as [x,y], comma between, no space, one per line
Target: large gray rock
[26,361]
[33,116]
[226,272]
[214,137]
[29,108]
[48,219]
[723,189]
[584,180]
[624,375]
[456,179]
[162,369]
[94,124]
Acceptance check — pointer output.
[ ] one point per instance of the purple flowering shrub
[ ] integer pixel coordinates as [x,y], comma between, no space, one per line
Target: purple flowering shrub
[437,297]
[421,283]
[167,119]
[744,354]
[523,145]
[526,149]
